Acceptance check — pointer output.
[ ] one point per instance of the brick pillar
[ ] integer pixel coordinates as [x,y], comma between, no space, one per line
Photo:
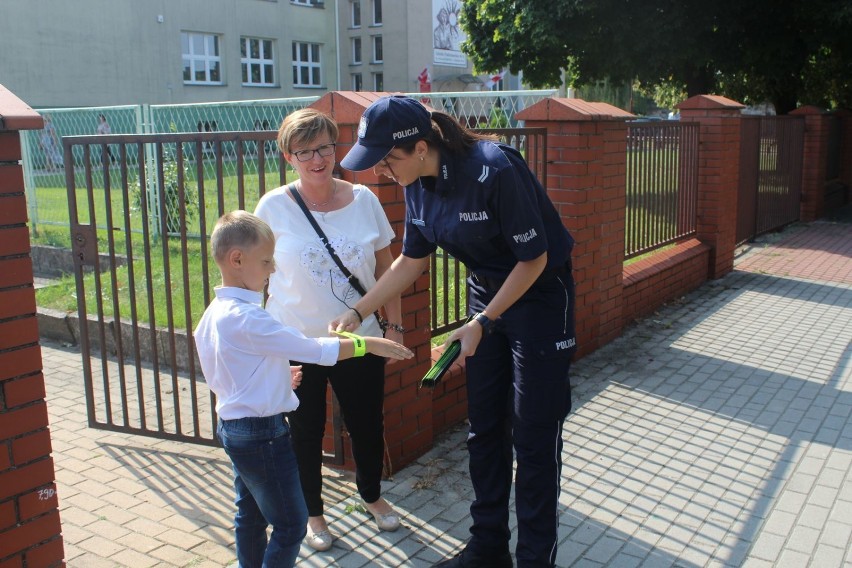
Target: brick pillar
[814,161]
[718,175]
[587,153]
[409,429]
[29,511]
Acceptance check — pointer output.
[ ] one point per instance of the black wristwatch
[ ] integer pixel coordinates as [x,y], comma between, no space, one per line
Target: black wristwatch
[486,323]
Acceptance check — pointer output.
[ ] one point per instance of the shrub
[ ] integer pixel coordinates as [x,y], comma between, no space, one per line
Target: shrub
[172,194]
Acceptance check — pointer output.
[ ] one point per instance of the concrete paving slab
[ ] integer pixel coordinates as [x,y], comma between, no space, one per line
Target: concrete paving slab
[717,432]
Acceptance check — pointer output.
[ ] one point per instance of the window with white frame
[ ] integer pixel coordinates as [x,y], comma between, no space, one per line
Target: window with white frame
[378,56]
[356,51]
[202,64]
[307,67]
[257,59]
[356,13]
[378,81]
[377,12]
[357,82]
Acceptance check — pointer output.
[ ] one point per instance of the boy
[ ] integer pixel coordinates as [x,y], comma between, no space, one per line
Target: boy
[245,357]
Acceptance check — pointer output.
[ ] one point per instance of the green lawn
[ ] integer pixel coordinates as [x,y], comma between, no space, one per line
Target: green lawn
[50,223]
[180,282]
[174,272]
[105,294]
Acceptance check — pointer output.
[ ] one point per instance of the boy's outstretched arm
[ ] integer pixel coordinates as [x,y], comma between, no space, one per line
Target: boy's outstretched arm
[352,345]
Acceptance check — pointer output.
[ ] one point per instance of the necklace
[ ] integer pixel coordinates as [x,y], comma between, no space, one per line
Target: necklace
[330,199]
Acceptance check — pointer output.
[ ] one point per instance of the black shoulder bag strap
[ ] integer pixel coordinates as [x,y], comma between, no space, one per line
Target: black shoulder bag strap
[353,280]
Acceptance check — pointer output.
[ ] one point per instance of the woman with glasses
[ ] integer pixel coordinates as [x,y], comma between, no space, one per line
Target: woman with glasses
[313,290]
[478,200]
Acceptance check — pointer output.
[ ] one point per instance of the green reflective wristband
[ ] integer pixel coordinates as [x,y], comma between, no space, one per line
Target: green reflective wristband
[360,343]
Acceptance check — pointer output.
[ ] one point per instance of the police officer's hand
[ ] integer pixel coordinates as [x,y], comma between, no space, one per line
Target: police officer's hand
[347,321]
[470,334]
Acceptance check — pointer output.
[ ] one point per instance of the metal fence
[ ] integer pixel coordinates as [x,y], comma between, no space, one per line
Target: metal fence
[139,229]
[662,185]
[44,179]
[835,146]
[155,208]
[770,176]
[45,183]
[233,147]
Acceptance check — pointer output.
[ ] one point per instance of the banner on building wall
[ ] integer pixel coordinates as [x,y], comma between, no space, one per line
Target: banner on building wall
[447,35]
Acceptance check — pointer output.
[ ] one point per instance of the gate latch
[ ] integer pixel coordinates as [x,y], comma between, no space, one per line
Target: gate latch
[85,245]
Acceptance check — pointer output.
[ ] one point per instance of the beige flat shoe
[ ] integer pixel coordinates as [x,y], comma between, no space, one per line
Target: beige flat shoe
[388,522]
[320,541]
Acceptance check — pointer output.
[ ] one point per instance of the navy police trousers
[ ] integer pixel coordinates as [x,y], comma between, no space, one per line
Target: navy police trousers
[518,397]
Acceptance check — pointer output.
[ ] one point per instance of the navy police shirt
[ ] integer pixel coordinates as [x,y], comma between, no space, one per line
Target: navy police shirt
[488,210]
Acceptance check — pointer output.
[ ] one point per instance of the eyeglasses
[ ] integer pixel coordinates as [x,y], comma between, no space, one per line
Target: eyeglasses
[385,164]
[325,150]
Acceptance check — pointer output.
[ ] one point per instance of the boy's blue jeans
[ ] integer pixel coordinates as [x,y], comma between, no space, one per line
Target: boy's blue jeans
[268,492]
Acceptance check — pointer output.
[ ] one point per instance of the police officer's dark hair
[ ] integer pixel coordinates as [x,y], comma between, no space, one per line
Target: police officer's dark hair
[450,134]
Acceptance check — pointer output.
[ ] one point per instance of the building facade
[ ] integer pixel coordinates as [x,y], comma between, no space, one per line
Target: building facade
[117,52]
[391,45]
[111,52]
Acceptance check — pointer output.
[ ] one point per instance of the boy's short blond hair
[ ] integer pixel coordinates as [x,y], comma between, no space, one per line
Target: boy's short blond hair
[304,125]
[235,230]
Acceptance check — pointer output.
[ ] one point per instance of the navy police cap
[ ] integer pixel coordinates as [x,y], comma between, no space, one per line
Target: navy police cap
[388,122]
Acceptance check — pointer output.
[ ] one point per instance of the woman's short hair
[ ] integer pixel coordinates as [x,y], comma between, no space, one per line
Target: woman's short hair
[237,229]
[304,125]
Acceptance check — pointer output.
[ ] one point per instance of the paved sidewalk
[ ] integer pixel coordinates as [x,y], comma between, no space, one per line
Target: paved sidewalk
[717,432]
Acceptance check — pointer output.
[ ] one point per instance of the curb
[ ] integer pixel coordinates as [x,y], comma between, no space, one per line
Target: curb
[65,328]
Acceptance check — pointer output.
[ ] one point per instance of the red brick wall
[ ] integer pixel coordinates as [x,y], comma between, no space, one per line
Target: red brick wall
[662,277]
[29,513]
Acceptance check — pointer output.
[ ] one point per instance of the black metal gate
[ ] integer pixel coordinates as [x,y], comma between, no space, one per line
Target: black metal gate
[139,231]
[770,182]
[140,217]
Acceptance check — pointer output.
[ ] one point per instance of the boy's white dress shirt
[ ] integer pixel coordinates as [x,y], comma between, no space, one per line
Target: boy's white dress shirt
[245,355]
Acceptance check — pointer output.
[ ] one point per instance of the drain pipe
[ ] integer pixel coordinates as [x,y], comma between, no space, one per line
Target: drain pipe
[337,40]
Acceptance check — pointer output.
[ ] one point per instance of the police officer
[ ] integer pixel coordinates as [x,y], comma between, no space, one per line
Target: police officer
[478,200]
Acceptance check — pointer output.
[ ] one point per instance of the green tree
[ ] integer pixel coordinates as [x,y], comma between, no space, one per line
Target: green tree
[785,51]
[791,53]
